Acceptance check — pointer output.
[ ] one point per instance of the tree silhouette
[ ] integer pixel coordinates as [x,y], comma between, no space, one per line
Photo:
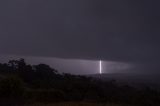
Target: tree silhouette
[43,83]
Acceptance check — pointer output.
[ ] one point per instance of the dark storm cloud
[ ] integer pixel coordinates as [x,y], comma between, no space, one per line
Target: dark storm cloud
[119,30]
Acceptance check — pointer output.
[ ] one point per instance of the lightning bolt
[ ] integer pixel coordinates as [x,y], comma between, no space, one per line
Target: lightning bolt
[100,67]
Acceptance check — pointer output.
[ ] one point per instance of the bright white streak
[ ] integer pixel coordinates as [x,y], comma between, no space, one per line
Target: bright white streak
[100,67]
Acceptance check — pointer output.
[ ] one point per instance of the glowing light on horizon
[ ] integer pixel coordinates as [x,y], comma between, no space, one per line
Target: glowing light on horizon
[100,67]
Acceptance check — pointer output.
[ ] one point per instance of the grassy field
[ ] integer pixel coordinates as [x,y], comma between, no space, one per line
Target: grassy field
[76,104]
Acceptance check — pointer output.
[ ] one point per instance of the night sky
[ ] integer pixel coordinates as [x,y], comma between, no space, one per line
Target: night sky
[123,33]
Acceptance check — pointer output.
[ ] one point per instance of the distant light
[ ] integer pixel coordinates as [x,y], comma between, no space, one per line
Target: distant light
[100,67]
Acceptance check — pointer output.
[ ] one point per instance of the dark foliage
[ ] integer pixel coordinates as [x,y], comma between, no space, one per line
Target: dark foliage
[20,81]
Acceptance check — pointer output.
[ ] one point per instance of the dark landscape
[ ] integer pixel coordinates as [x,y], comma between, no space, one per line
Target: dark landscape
[79,53]
[22,83]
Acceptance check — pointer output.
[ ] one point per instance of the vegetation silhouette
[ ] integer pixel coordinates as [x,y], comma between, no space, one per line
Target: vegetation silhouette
[22,83]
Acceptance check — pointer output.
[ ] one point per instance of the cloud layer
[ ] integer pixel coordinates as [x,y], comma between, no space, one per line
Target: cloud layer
[126,31]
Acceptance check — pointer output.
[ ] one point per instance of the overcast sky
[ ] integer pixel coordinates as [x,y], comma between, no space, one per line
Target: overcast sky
[123,31]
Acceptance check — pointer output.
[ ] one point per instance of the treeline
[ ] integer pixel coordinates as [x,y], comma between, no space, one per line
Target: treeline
[24,83]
